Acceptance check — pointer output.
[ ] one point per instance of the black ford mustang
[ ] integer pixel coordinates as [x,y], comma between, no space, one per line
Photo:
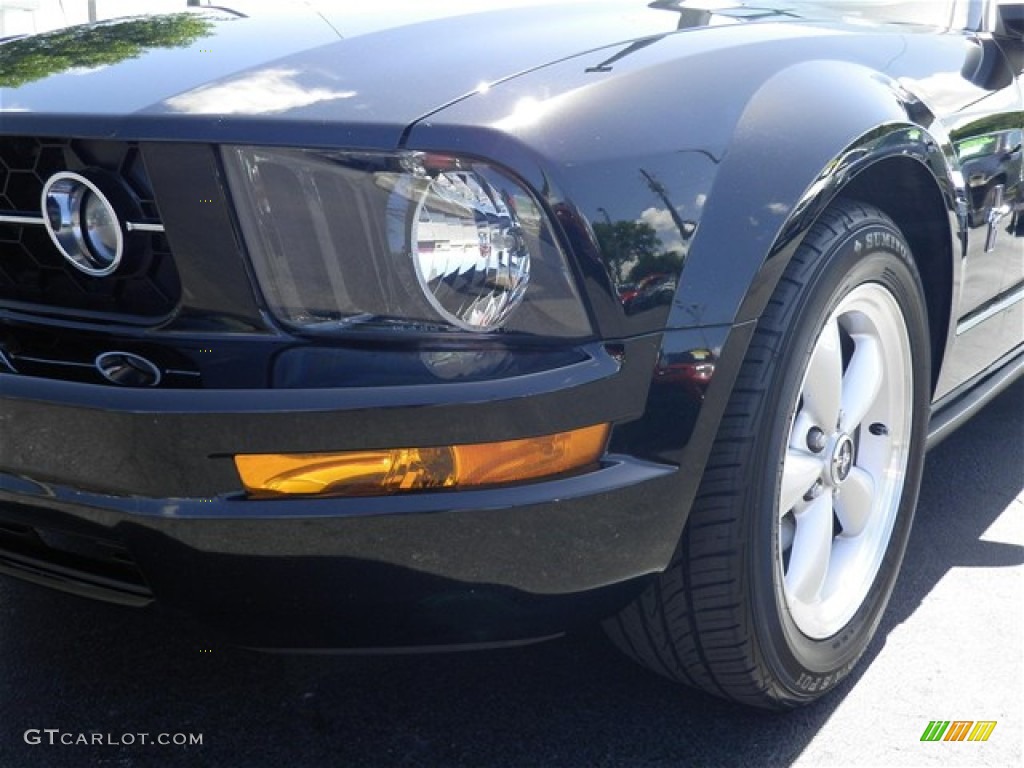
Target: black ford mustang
[437,326]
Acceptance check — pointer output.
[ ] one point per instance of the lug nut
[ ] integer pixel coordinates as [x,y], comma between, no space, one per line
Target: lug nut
[816,440]
[815,491]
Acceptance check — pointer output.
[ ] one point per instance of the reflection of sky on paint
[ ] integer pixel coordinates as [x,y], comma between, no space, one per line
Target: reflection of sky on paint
[353,19]
[26,17]
[81,71]
[940,14]
[944,92]
[660,220]
[29,17]
[262,92]
[529,112]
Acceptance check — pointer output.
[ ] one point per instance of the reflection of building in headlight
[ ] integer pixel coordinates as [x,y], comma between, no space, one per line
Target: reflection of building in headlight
[463,236]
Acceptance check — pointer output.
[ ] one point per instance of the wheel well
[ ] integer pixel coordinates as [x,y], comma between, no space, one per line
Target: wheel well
[907,192]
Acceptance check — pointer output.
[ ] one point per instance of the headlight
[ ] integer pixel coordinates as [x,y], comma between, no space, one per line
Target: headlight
[343,239]
[469,251]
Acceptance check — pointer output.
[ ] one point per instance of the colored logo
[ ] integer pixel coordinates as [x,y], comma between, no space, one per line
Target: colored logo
[958,730]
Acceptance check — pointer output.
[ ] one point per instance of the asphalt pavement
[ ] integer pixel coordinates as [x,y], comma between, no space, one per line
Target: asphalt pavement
[950,648]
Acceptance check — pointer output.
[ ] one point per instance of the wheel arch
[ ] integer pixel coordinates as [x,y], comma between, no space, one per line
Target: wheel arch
[908,193]
[875,143]
[779,174]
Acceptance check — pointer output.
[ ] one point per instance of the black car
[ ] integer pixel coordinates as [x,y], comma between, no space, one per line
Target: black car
[468,327]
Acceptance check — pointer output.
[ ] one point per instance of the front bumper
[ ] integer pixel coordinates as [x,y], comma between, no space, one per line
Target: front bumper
[478,566]
[130,495]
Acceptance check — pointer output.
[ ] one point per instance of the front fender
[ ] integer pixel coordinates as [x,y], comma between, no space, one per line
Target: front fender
[780,172]
[724,144]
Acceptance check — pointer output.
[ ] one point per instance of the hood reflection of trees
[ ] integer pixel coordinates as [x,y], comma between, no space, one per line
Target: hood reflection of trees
[28,59]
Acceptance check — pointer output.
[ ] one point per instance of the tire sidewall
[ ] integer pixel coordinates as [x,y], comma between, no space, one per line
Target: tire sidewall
[873,251]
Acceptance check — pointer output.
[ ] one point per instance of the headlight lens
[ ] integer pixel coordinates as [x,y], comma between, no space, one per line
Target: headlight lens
[469,251]
[407,240]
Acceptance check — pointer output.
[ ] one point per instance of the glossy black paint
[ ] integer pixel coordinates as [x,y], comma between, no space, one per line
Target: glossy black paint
[721,135]
[746,172]
[179,442]
[320,567]
[288,80]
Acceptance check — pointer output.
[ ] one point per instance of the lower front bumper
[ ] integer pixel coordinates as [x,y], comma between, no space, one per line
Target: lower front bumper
[132,495]
[454,568]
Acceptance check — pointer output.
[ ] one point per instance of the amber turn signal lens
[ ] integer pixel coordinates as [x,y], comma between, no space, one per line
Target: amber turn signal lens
[394,470]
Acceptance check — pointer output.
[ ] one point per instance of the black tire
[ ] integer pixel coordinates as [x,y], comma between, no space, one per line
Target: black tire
[736,613]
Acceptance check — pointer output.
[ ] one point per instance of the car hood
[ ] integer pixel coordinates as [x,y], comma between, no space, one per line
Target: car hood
[374,71]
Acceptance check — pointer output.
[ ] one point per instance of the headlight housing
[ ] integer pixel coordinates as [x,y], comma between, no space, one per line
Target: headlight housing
[400,240]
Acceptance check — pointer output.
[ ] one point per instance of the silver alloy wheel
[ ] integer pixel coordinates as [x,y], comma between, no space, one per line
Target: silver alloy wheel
[846,459]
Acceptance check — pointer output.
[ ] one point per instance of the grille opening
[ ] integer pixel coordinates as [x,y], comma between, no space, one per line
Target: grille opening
[33,274]
[71,356]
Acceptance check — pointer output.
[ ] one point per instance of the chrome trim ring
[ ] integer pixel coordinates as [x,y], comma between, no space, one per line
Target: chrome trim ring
[128,369]
[63,202]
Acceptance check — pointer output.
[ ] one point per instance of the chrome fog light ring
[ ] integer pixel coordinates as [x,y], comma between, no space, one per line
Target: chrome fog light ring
[83,223]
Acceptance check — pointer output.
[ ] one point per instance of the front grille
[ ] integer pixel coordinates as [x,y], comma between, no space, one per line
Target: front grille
[35,276]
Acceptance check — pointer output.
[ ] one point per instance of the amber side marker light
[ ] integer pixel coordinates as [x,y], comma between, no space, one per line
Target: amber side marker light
[396,470]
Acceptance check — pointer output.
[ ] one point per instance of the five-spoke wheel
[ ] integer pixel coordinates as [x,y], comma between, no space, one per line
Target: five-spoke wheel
[845,460]
[794,542]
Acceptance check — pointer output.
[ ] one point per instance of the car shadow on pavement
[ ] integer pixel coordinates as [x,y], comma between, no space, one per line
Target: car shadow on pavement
[84,668]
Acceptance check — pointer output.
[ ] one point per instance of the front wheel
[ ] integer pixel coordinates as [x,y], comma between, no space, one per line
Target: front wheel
[795,539]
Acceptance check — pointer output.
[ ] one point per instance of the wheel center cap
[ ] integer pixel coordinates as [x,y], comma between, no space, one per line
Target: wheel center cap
[842,459]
